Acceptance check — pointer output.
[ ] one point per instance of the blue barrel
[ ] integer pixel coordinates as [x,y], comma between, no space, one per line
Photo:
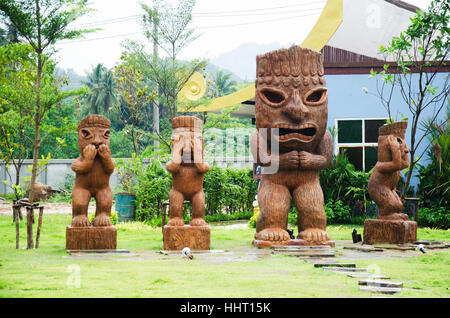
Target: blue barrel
[125,207]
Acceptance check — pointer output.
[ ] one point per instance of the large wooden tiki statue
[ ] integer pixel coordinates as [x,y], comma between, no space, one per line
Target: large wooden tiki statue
[392,225]
[92,169]
[291,107]
[187,168]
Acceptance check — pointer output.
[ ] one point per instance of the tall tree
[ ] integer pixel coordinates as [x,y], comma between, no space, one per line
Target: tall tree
[168,27]
[103,93]
[223,83]
[419,53]
[42,23]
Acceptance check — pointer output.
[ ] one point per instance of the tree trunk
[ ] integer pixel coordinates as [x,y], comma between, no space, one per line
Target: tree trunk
[37,121]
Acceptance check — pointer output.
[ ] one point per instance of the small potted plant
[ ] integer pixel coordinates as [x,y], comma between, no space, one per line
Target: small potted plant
[127,171]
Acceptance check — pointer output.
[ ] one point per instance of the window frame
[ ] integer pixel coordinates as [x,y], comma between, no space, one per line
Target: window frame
[361,144]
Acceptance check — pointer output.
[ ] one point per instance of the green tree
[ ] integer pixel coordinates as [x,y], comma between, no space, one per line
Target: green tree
[137,96]
[42,23]
[103,93]
[15,98]
[224,85]
[419,53]
[168,28]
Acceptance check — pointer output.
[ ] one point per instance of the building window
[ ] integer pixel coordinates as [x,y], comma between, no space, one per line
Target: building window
[358,138]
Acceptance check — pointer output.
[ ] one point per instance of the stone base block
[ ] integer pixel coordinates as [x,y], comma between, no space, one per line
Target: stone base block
[179,237]
[297,242]
[388,231]
[91,238]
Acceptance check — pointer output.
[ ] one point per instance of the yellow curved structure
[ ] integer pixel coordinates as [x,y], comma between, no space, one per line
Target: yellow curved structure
[327,24]
[194,89]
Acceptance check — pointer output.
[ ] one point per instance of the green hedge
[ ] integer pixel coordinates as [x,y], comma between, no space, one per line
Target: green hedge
[229,193]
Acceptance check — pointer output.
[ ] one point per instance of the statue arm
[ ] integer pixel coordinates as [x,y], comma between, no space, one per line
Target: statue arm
[197,146]
[260,156]
[105,155]
[82,165]
[322,159]
[173,166]
[396,163]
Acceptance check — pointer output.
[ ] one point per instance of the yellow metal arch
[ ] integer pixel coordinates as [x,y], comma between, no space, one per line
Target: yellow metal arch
[327,24]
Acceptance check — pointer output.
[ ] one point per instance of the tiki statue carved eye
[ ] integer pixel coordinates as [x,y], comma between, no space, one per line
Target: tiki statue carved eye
[107,133]
[272,97]
[316,96]
[85,133]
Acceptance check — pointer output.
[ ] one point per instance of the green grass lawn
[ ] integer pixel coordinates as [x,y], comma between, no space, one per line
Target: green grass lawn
[49,270]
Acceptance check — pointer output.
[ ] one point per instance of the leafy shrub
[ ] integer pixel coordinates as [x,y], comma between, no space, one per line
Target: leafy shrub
[112,217]
[153,187]
[435,217]
[229,190]
[336,212]
[252,221]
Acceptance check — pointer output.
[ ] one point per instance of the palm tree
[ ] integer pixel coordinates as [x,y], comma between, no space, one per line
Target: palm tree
[103,90]
[8,35]
[223,83]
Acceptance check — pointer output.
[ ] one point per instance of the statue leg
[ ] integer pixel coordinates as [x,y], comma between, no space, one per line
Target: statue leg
[274,201]
[312,221]
[198,209]
[103,199]
[391,206]
[176,200]
[80,202]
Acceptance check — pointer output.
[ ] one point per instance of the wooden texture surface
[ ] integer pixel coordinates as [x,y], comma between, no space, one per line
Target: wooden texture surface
[179,237]
[291,109]
[91,238]
[387,231]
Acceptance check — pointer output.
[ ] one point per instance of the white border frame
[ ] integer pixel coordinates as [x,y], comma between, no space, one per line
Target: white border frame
[355,144]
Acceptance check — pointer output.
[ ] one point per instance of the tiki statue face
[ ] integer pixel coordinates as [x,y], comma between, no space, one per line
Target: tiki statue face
[291,96]
[188,131]
[95,130]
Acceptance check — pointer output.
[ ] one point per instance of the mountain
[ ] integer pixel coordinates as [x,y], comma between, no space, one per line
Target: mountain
[75,80]
[242,60]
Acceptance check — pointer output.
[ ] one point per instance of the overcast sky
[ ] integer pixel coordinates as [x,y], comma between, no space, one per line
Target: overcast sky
[223,25]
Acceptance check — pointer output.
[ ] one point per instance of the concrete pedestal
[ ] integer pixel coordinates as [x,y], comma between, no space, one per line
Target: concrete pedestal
[387,231]
[179,237]
[91,238]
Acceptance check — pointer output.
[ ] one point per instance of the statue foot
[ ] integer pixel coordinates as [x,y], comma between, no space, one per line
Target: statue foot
[102,220]
[197,222]
[273,234]
[314,235]
[394,217]
[80,221]
[176,221]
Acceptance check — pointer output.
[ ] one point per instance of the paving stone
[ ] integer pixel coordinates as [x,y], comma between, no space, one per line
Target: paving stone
[325,264]
[380,283]
[364,275]
[427,242]
[382,290]
[300,247]
[363,248]
[343,269]
[396,247]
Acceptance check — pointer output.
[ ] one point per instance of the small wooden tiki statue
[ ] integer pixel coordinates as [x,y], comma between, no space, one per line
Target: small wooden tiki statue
[392,225]
[291,144]
[92,171]
[187,168]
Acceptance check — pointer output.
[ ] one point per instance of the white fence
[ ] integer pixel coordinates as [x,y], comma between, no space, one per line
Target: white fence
[58,169]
